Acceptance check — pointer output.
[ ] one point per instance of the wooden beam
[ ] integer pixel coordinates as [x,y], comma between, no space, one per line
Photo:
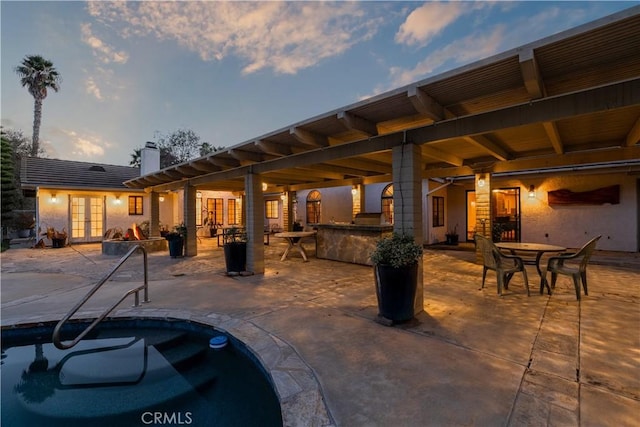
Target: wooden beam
[633,137]
[489,146]
[187,170]
[554,136]
[204,166]
[547,162]
[440,155]
[224,161]
[351,121]
[246,156]
[424,104]
[309,138]
[531,74]
[273,148]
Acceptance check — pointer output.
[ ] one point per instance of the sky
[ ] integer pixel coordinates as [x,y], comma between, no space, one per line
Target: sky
[234,71]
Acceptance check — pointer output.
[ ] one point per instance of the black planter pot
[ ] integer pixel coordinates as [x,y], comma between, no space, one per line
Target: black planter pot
[235,256]
[452,239]
[396,291]
[58,243]
[176,246]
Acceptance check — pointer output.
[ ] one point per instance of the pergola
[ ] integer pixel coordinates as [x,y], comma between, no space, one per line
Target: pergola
[567,101]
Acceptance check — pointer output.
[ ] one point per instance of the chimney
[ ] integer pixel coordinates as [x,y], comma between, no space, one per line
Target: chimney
[149,159]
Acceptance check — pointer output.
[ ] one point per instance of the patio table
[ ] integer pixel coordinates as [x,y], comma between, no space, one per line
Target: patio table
[294,240]
[539,249]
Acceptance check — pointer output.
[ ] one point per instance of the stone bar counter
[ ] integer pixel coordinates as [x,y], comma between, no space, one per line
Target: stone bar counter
[352,243]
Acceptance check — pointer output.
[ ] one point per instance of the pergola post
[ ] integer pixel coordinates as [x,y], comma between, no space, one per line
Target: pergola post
[191,242]
[407,203]
[154,218]
[254,211]
[483,208]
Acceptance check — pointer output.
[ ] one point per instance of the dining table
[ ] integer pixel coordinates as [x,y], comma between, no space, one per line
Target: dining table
[294,240]
[539,249]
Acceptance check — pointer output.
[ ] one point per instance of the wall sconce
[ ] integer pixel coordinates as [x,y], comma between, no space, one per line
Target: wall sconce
[354,190]
[532,192]
[283,197]
[54,199]
[198,195]
[161,198]
[264,186]
[481,182]
[117,201]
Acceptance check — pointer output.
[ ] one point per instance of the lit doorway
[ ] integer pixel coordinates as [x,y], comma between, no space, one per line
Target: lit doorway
[505,215]
[87,219]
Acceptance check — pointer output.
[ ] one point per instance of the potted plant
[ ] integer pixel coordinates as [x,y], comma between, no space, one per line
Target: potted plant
[235,250]
[24,223]
[58,238]
[452,236]
[176,240]
[213,226]
[395,262]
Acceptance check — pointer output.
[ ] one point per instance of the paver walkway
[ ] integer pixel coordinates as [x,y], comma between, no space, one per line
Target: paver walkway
[471,358]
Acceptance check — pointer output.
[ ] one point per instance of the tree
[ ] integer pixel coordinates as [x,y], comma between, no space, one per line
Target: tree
[177,147]
[37,75]
[9,191]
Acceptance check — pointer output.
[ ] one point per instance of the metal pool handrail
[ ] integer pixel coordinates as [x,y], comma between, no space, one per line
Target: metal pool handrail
[56,332]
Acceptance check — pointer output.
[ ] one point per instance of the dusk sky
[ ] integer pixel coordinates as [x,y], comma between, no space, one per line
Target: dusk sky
[233,71]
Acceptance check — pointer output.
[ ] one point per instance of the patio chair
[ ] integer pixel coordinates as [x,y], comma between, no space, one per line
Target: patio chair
[574,265]
[504,265]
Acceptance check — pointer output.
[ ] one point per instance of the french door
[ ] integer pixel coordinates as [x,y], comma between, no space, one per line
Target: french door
[87,219]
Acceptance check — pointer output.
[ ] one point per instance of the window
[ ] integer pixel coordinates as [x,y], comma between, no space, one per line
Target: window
[438,211]
[215,209]
[387,203]
[313,207]
[271,209]
[200,212]
[232,211]
[135,205]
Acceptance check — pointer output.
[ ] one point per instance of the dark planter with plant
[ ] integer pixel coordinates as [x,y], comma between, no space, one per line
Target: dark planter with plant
[452,236]
[175,239]
[235,250]
[395,262]
[24,223]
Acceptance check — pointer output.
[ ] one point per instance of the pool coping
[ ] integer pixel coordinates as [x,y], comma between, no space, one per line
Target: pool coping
[295,382]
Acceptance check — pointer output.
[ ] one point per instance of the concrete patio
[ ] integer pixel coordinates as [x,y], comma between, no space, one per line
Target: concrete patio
[471,358]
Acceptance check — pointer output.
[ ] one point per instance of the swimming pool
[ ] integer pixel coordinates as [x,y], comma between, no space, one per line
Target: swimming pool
[133,372]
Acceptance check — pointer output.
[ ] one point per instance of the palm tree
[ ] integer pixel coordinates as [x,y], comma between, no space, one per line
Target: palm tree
[37,75]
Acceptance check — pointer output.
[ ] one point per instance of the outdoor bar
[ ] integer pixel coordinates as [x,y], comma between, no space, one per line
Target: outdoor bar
[351,242]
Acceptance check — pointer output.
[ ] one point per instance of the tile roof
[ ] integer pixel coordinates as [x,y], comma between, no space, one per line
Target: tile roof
[43,172]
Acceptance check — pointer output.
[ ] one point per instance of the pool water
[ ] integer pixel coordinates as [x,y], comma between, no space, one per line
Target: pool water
[130,373]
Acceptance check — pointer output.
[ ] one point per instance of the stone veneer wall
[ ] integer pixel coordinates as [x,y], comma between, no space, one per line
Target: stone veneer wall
[349,243]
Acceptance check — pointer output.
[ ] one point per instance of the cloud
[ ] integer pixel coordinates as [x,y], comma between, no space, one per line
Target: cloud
[283,36]
[427,21]
[101,50]
[93,89]
[462,51]
[75,145]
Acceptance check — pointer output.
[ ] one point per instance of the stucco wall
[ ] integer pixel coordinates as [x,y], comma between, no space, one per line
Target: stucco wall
[336,204]
[56,213]
[573,225]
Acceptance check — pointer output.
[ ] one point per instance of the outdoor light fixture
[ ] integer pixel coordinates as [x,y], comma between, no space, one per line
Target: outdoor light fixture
[532,191]
[198,195]
[161,198]
[264,186]
[54,199]
[117,201]
[282,196]
[354,190]
[481,183]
